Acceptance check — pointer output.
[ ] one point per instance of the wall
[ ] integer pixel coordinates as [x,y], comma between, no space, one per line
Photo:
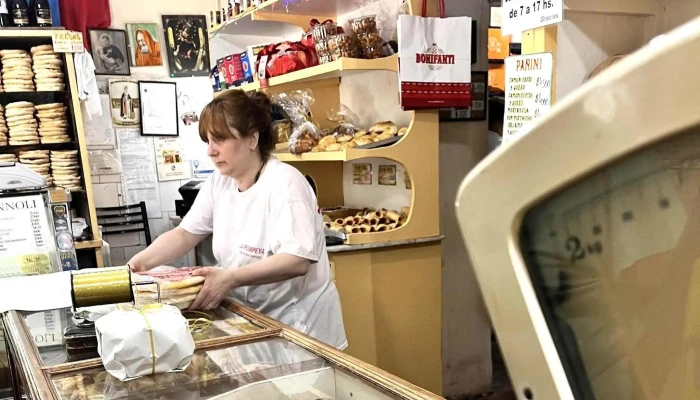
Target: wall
[108,188]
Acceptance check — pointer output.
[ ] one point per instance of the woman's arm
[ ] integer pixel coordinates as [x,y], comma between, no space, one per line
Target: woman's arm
[167,248]
[219,281]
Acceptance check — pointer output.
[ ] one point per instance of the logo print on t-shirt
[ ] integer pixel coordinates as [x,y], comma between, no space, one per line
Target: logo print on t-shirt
[251,251]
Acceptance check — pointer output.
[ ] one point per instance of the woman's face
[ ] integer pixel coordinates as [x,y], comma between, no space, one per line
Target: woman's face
[232,156]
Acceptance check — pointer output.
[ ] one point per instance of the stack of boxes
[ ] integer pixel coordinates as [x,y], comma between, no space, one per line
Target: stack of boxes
[235,70]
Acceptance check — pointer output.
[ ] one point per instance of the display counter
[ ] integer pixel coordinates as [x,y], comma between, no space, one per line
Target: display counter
[240,354]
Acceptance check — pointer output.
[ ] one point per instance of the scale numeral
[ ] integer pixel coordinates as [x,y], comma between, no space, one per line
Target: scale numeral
[578,251]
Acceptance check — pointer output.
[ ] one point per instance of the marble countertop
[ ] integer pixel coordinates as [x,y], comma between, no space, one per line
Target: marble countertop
[357,247]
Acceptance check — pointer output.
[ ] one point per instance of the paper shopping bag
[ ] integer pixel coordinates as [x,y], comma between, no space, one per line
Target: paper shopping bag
[435,61]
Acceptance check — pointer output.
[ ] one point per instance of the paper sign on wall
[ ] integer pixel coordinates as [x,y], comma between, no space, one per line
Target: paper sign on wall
[528,92]
[170,160]
[521,15]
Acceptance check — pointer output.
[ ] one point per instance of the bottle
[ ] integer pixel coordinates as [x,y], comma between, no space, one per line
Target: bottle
[229,13]
[5,19]
[19,13]
[41,13]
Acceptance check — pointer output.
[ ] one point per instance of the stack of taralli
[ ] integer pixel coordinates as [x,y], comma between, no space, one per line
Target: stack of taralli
[7,158]
[177,287]
[48,69]
[65,169]
[53,125]
[37,161]
[3,127]
[21,124]
[17,75]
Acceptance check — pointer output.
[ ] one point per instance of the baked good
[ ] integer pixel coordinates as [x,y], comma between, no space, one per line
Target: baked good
[380,127]
[334,147]
[384,136]
[364,140]
[402,131]
[344,138]
[360,133]
[328,140]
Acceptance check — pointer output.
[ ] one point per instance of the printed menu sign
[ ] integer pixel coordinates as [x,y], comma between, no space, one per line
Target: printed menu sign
[25,237]
[528,92]
[520,15]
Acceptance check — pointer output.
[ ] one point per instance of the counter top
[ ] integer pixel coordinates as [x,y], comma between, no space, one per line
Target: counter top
[357,247]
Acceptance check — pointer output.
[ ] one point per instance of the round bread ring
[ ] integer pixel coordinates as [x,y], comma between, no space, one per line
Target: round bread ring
[63,152]
[48,56]
[35,161]
[19,104]
[19,74]
[19,89]
[17,63]
[12,51]
[48,74]
[23,117]
[22,142]
[16,56]
[44,53]
[16,112]
[53,141]
[53,134]
[51,88]
[46,62]
[43,47]
[56,112]
[49,106]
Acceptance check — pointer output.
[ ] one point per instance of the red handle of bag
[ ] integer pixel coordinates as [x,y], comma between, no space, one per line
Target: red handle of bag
[441,8]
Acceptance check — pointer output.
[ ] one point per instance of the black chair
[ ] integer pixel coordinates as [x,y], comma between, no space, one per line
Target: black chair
[125,219]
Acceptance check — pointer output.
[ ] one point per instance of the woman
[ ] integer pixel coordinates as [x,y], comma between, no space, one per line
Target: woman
[267,231]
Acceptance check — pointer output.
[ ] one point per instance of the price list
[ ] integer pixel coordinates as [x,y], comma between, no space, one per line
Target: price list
[24,231]
[528,92]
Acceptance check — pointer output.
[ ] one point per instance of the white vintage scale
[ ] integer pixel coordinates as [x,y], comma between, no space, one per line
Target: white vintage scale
[585,235]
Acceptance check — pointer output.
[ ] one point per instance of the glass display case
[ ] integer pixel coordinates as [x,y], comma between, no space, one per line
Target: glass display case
[240,354]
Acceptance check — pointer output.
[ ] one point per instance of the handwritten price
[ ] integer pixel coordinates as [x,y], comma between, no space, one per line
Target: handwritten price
[544,83]
[541,100]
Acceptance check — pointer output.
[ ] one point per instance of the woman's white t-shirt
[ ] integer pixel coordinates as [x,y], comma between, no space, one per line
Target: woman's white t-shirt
[279,214]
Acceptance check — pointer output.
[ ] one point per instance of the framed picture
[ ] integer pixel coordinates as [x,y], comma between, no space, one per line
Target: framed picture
[158,108]
[124,103]
[387,175]
[144,45]
[108,48]
[362,174]
[187,45]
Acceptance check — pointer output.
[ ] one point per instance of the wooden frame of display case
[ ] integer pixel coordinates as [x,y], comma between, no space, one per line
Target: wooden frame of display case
[26,38]
[26,362]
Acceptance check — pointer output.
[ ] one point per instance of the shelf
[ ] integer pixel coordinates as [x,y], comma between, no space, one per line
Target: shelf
[88,244]
[335,69]
[32,97]
[252,23]
[314,8]
[47,146]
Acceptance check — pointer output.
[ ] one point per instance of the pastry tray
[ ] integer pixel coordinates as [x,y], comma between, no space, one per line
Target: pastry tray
[381,143]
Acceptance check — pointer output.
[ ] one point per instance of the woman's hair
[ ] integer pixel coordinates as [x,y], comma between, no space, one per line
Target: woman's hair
[235,110]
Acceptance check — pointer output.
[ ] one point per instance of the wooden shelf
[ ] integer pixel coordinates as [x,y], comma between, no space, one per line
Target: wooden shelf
[32,97]
[335,69]
[46,146]
[88,244]
[253,23]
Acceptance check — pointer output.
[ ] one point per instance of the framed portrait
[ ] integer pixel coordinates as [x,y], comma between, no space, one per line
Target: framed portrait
[144,45]
[158,108]
[124,103]
[108,48]
[187,45]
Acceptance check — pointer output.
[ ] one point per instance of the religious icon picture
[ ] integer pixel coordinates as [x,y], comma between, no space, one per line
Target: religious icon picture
[108,48]
[124,102]
[187,45]
[144,45]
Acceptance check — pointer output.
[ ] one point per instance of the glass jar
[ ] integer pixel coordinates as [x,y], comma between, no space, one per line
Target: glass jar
[344,45]
[366,24]
[371,45]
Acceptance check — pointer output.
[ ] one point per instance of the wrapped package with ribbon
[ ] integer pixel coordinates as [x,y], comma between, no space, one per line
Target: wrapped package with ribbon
[138,342]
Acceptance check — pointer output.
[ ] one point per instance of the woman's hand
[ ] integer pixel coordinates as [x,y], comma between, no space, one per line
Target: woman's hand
[137,266]
[217,283]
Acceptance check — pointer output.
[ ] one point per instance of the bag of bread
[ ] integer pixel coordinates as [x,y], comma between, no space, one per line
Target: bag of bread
[345,130]
[304,138]
[297,104]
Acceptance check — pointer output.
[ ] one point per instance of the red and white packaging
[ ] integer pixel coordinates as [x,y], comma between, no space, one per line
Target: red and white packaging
[435,61]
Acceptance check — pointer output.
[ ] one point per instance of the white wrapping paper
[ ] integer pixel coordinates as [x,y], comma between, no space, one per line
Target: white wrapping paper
[134,343]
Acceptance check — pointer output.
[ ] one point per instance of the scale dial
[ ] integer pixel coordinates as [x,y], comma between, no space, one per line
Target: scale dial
[613,261]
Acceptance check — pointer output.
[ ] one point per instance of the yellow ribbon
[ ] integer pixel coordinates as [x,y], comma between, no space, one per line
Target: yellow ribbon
[146,308]
[200,324]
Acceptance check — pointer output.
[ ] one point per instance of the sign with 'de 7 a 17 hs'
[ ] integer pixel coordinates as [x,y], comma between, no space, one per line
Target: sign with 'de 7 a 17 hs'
[521,15]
